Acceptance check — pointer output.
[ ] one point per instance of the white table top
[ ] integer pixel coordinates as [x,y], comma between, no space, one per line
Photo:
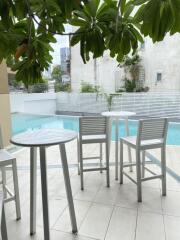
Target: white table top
[118,114]
[43,137]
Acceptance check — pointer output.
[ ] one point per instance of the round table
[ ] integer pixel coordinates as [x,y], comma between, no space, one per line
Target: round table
[117,115]
[42,138]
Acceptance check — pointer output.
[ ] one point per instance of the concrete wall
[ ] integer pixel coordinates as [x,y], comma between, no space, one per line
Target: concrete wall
[106,74]
[5,118]
[162,57]
[37,103]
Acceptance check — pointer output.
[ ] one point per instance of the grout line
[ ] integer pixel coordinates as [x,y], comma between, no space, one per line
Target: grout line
[71,234]
[52,227]
[135,232]
[109,222]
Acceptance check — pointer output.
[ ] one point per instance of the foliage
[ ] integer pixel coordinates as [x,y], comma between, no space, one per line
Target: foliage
[62,87]
[120,90]
[157,17]
[105,25]
[89,88]
[39,88]
[130,61]
[27,29]
[12,81]
[109,99]
[56,73]
[130,85]
[142,89]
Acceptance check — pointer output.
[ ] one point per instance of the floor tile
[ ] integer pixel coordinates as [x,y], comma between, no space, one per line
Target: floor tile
[122,219]
[150,226]
[96,222]
[56,207]
[151,200]
[107,195]
[171,203]
[64,223]
[172,227]
[127,196]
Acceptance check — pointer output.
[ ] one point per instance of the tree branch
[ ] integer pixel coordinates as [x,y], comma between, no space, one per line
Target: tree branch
[117,17]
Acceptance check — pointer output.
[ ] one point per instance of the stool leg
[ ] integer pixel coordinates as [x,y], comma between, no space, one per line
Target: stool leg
[107,164]
[163,170]
[101,157]
[78,157]
[81,166]
[3,225]
[3,171]
[116,149]
[68,187]
[121,161]
[138,169]
[143,163]
[129,149]
[16,189]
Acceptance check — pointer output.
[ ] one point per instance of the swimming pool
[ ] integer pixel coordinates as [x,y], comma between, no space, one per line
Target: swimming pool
[22,122]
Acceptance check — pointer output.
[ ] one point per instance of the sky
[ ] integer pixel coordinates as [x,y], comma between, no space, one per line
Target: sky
[62,41]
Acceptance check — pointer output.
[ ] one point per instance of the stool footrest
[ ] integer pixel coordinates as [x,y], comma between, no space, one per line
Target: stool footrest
[127,175]
[8,191]
[94,169]
[150,171]
[151,178]
[9,199]
[88,158]
[129,165]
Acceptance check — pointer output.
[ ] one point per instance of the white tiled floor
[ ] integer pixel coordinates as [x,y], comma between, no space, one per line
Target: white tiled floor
[102,213]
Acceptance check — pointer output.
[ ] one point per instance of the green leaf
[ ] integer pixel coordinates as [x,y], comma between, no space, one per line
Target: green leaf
[91,7]
[128,10]
[139,2]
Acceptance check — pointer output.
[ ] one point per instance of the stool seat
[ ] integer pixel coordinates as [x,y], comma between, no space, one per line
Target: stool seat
[5,156]
[94,138]
[132,140]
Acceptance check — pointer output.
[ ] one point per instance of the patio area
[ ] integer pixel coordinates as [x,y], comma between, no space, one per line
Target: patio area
[102,213]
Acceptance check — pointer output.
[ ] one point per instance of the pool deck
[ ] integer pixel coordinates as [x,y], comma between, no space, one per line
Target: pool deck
[102,213]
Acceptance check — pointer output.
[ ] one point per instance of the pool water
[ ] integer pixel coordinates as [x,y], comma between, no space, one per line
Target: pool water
[22,122]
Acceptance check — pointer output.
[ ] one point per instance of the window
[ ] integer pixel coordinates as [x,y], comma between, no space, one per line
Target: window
[159,77]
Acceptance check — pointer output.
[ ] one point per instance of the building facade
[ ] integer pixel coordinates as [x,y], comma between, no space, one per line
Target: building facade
[159,67]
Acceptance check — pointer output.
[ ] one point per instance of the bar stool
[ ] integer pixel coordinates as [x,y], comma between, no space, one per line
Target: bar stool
[6,160]
[93,130]
[151,135]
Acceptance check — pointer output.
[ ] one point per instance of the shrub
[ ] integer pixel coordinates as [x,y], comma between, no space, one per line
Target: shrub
[142,89]
[130,86]
[62,87]
[89,88]
[120,90]
[39,88]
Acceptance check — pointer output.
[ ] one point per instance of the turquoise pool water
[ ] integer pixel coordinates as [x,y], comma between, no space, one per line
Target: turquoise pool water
[22,122]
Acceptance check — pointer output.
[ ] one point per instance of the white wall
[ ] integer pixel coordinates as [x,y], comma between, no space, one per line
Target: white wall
[107,71]
[162,57]
[42,103]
